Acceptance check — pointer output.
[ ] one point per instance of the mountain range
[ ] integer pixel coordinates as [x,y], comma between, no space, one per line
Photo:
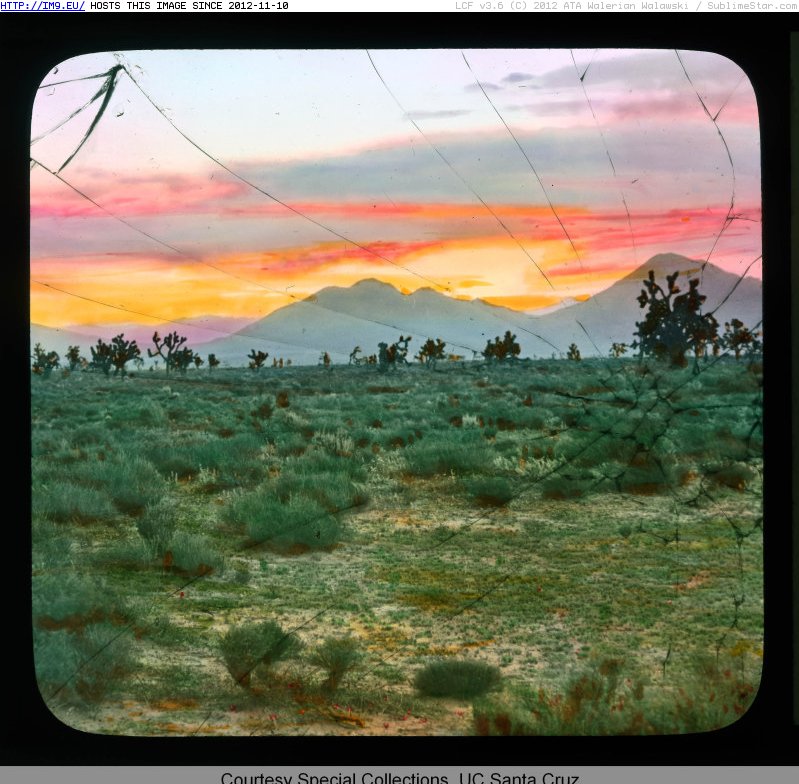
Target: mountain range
[337,319]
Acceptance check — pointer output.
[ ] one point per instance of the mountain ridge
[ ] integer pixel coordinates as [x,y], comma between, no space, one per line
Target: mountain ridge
[336,318]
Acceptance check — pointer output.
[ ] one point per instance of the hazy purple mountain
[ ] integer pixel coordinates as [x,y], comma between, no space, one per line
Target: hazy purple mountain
[59,340]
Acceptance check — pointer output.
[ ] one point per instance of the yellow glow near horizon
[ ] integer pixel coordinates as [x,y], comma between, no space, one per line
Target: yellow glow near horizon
[493,269]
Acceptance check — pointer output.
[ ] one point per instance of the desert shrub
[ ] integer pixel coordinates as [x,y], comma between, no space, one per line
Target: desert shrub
[194,554]
[262,409]
[338,442]
[180,461]
[129,482]
[149,413]
[291,445]
[52,547]
[563,487]
[649,476]
[456,678]
[442,455]
[158,524]
[64,502]
[337,657]
[597,701]
[300,522]
[72,601]
[89,434]
[606,700]
[735,476]
[489,490]
[138,485]
[333,490]
[252,646]
[86,665]
[235,461]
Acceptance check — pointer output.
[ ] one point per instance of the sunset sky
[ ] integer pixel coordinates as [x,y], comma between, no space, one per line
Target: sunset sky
[494,174]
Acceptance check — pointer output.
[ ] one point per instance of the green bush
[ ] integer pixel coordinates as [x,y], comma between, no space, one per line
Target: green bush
[158,524]
[90,434]
[456,678]
[602,701]
[443,455]
[562,488]
[87,665]
[194,554]
[300,522]
[138,486]
[252,646]
[64,502]
[72,599]
[489,490]
[332,488]
[336,657]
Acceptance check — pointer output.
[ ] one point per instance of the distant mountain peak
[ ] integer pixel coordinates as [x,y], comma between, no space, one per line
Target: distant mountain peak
[373,283]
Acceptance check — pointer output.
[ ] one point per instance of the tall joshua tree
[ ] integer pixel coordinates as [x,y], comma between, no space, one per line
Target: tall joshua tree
[122,352]
[674,323]
[167,348]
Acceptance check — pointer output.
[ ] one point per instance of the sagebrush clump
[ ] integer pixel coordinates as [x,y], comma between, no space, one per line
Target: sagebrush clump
[255,646]
[456,678]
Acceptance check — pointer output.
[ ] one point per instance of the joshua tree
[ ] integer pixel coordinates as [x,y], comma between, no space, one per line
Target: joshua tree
[257,359]
[573,353]
[101,357]
[617,349]
[431,352]
[401,350]
[354,359]
[170,344]
[198,360]
[212,362]
[44,362]
[182,359]
[502,349]
[739,339]
[122,352]
[383,358]
[324,359]
[74,358]
[673,324]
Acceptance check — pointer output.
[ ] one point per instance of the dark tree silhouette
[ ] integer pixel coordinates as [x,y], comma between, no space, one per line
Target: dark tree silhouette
[354,359]
[431,352]
[574,353]
[198,360]
[101,357]
[617,349]
[122,352]
[182,359]
[501,349]
[212,362]
[44,362]
[739,339]
[74,358]
[167,349]
[674,324]
[257,359]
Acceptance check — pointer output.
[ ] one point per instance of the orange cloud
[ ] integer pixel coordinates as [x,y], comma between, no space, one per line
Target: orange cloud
[523,302]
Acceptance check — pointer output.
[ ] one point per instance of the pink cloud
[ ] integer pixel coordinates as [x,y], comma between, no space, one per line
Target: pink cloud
[129,196]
